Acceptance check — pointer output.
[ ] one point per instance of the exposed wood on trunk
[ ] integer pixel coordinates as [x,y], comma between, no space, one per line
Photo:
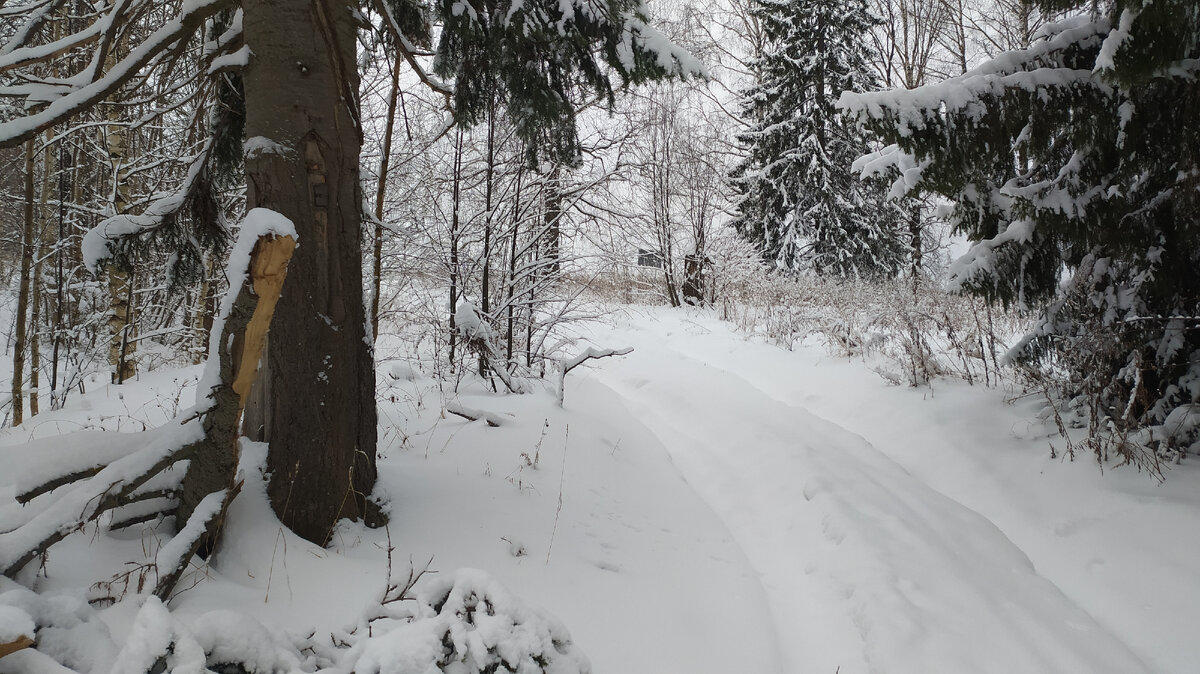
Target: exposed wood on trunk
[214,457]
[268,269]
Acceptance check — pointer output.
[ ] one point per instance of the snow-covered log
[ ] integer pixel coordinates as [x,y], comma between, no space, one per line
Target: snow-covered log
[472,414]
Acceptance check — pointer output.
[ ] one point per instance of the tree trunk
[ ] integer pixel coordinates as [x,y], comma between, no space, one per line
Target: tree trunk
[510,283]
[64,163]
[381,193]
[35,316]
[489,178]
[18,378]
[120,281]
[554,213]
[456,199]
[244,332]
[916,236]
[318,412]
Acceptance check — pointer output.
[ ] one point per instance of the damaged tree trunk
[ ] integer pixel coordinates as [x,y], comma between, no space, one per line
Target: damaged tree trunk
[209,484]
[215,469]
[303,140]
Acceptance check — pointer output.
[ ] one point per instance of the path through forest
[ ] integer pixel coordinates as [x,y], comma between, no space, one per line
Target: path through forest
[865,565]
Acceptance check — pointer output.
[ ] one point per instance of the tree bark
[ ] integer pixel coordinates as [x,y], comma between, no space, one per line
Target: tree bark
[381,194]
[120,281]
[18,378]
[456,202]
[318,411]
[35,316]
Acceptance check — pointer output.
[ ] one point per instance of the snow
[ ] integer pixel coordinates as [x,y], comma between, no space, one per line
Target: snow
[170,554]
[1034,70]
[470,620]
[469,322]
[14,624]
[705,503]
[230,636]
[149,637]
[238,59]
[257,145]
[1113,41]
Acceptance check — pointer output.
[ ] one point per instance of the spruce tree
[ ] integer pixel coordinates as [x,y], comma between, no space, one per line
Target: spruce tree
[800,204]
[1074,166]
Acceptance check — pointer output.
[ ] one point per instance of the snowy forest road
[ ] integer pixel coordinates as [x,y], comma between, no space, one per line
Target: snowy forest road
[865,567]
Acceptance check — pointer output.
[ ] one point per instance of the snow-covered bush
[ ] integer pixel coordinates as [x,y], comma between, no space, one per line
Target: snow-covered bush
[463,623]
[909,334]
[466,623]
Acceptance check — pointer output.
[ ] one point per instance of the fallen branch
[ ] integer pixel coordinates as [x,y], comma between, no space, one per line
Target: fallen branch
[590,354]
[472,414]
[178,551]
[60,481]
[110,488]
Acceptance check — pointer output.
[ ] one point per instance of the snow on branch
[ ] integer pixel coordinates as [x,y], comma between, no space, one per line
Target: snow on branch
[472,414]
[640,36]
[479,337]
[173,558]
[195,13]
[468,622]
[1033,70]
[105,491]
[98,243]
[572,363]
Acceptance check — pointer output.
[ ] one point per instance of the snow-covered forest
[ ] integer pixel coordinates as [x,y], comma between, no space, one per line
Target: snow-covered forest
[571,336]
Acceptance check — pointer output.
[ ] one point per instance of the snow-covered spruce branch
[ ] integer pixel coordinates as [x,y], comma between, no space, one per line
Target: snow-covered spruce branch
[409,51]
[98,243]
[566,366]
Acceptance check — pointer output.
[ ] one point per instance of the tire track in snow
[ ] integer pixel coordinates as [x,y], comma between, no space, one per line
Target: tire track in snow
[866,568]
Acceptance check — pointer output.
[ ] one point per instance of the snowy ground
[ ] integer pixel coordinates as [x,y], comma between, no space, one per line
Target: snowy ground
[710,504]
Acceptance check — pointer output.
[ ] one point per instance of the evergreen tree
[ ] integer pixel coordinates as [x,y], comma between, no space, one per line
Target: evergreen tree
[1074,166]
[800,203]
